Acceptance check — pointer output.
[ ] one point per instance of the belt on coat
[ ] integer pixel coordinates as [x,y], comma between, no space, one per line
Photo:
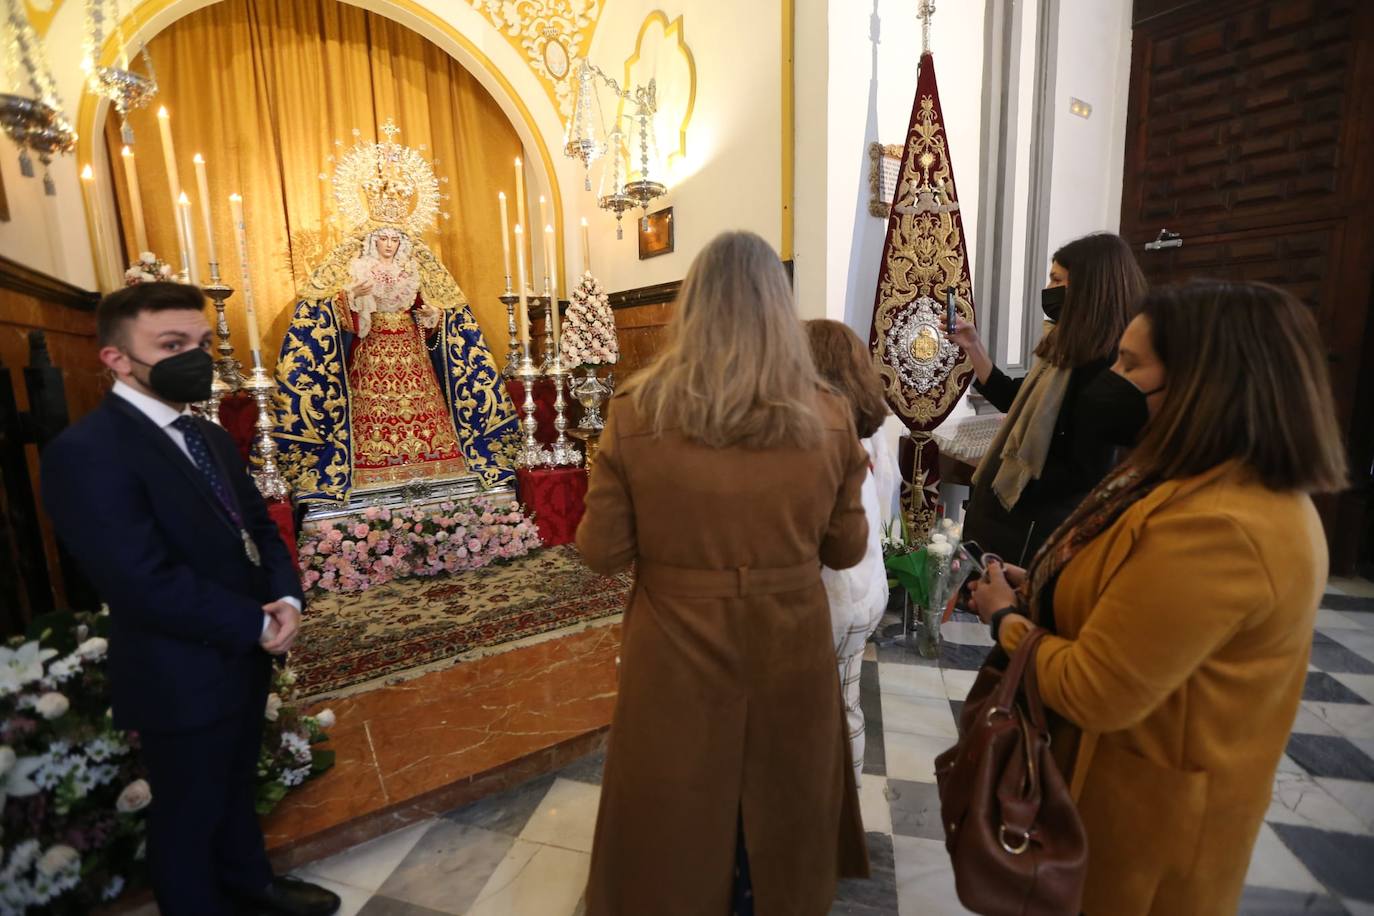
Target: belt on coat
[740,582]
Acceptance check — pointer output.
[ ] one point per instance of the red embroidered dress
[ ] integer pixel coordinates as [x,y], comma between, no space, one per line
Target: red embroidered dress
[402,426]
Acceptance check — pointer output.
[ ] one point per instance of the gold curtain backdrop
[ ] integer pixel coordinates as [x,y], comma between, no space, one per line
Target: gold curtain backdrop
[263,89]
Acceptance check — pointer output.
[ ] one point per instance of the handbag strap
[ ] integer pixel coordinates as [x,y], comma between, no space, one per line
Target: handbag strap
[1011,681]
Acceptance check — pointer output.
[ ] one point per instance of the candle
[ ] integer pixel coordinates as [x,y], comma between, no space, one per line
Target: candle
[88,183]
[505,237]
[189,235]
[250,313]
[203,185]
[539,218]
[549,249]
[522,217]
[135,201]
[586,247]
[524,317]
[169,159]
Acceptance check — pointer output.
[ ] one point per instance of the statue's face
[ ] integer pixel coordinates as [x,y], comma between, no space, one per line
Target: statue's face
[388,245]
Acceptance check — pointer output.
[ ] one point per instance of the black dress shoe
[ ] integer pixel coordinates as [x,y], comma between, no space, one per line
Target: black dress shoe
[293,897]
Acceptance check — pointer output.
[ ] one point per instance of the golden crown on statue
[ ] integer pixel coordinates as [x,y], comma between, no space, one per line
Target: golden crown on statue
[381,185]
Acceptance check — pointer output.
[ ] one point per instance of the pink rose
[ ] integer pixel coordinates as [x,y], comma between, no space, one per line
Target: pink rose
[345,546]
[372,512]
[360,530]
[335,535]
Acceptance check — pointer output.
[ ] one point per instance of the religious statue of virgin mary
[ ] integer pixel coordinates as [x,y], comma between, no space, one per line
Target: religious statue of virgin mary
[384,376]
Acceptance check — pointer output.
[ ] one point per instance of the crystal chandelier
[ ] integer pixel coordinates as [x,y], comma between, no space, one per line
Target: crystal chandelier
[127,91]
[585,143]
[34,122]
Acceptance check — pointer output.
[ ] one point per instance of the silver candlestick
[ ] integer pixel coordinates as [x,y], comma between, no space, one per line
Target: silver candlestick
[263,388]
[549,306]
[565,454]
[228,374]
[531,454]
[509,298]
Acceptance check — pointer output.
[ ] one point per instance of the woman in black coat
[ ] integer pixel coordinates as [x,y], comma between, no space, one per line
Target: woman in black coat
[1067,418]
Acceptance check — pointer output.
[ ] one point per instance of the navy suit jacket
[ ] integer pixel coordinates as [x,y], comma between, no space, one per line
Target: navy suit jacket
[185,601]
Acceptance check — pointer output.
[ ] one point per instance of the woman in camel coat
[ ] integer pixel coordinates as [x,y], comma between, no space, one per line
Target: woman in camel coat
[1183,594]
[728,477]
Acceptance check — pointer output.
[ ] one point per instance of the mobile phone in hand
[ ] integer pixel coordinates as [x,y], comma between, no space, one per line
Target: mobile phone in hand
[951,310]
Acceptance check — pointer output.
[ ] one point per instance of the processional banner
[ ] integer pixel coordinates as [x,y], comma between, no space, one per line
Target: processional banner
[923,280]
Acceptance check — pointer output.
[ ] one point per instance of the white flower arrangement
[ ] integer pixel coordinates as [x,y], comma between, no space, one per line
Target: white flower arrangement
[149,268]
[589,329]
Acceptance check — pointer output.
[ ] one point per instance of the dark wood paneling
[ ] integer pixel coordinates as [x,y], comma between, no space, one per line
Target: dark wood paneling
[1250,132]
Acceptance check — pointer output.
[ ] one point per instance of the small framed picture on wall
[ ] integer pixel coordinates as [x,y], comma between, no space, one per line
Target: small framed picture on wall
[885,164]
[657,239]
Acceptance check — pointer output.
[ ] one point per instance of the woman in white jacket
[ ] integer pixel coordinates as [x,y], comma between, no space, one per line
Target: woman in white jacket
[858,595]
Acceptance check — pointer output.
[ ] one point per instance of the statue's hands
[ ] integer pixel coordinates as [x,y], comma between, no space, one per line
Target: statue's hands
[429,317]
[362,289]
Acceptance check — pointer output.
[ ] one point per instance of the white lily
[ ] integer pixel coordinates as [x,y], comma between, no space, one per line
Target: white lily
[17,781]
[22,666]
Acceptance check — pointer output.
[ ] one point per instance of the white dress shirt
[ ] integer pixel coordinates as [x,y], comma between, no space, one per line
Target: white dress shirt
[164,415]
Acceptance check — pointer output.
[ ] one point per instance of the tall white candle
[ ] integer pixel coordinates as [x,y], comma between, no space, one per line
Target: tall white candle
[549,249]
[203,184]
[534,239]
[524,317]
[93,208]
[522,216]
[189,234]
[245,282]
[586,247]
[135,201]
[505,236]
[169,160]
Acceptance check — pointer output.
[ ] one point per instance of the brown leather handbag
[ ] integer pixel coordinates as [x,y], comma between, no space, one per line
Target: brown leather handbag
[1011,828]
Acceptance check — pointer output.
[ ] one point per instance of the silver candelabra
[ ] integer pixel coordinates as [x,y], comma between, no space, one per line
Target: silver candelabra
[263,388]
[532,454]
[509,299]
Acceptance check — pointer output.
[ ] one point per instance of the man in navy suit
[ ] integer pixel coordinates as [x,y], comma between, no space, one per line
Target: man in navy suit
[157,508]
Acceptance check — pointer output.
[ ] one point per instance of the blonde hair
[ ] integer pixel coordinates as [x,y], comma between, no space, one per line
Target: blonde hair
[737,369]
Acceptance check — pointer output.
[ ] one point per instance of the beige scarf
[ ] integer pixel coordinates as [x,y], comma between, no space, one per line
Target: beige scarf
[1023,440]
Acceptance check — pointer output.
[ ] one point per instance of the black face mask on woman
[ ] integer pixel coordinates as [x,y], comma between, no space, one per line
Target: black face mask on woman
[182,379]
[1119,408]
[1052,301]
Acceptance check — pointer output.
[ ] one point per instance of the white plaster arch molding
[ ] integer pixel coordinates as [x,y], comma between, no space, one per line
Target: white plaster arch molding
[461,31]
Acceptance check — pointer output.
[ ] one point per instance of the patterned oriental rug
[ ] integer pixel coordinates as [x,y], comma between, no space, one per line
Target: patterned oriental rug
[353,641]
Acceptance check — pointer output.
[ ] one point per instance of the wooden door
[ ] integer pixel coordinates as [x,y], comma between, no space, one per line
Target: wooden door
[1251,134]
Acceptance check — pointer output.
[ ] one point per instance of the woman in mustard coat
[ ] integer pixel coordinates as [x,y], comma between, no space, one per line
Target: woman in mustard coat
[1182,595]
[727,476]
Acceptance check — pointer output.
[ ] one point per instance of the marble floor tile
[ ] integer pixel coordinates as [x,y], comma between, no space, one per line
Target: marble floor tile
[587,770]
[910,680]
[956,655]
[1338,860]
[1348,719]
[1274,865]
[900,655]
[876,896]
[1266,901]
[918,715]
[874,804]
[912,757]
[1328,619]
[870,652]
[1352,587]
[1299,799]
[534,880]
[1309,723]
[1332,655]
[958,683]
[1363,684]
[1289,765]
[871,702]
[389,906]
[368,865]
[1324,688]
[968,634]
[448,868]
[1329,755]
[566,817]
[915,809]
[352,900]
[1358,641]
[925,882]
[1357,798]
[507,812]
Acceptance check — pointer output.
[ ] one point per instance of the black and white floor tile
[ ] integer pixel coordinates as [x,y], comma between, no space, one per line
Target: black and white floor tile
[526,852]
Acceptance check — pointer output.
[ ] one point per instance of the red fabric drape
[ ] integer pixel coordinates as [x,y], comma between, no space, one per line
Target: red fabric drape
[543,407]
[238,414]
[556,498]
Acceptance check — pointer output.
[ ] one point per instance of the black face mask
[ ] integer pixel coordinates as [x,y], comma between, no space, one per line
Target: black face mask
[1119,408]
[1052,301]
[182,379]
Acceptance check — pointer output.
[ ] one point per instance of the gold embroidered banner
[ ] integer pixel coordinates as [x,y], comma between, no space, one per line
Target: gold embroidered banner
[924,275]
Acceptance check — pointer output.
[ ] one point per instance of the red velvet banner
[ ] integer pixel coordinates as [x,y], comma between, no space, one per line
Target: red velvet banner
[555,497]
